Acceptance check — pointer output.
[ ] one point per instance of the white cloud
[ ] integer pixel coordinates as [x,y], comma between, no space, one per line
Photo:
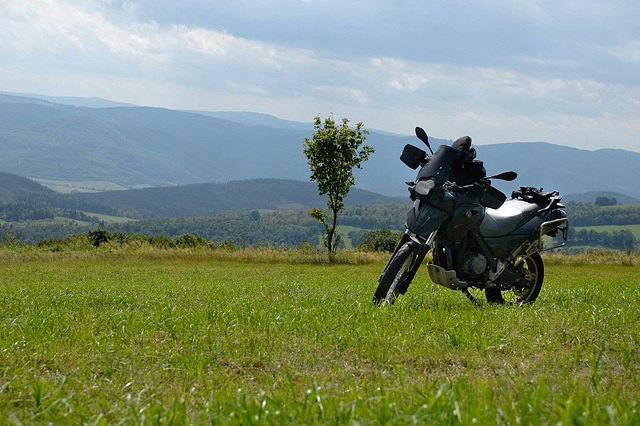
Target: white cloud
[342,94]
[409,82]
[628,51]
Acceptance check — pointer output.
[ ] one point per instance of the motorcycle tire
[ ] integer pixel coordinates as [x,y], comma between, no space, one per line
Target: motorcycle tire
[535,273]
[399,265]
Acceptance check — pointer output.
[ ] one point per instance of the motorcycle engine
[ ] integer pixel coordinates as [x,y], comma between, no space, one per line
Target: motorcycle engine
[474,264]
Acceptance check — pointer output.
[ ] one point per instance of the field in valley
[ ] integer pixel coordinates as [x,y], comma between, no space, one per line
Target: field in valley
[148,336]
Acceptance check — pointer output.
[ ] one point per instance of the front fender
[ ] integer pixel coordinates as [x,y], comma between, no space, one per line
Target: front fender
[425,218]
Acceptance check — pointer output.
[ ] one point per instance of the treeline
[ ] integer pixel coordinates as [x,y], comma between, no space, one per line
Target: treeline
[18,212]
[281,228]
[581,214]
[618,240]
[389,215]
[71,202]
[287,228]
[247,228]
[30,232]
[23,211]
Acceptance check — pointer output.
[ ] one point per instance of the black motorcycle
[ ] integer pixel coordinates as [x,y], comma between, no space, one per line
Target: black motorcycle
[477,239]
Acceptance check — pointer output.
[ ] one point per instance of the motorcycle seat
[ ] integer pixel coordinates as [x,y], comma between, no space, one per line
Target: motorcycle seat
[506,219]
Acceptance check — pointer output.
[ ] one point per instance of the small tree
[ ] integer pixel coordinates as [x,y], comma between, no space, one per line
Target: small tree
[333,153]
[99,236]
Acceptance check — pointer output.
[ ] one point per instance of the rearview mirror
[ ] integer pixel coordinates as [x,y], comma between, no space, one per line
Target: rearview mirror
[422,135]
[508,176]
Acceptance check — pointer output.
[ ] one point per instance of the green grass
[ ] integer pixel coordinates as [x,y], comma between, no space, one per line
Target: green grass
[344,230]
[142,336]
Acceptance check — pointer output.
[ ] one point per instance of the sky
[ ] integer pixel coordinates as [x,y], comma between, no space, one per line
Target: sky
[564,72]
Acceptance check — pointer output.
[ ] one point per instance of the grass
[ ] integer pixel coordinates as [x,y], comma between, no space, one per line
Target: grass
[141,336]
[344,230]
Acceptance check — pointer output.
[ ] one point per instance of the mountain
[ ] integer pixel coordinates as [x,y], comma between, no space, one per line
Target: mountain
[208,199]
[134,146]
[68,100]
[257,119]
[568,170]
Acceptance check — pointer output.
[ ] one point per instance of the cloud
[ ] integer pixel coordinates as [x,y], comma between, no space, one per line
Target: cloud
[409,82]
[501,70]
[628,51]
[342,94]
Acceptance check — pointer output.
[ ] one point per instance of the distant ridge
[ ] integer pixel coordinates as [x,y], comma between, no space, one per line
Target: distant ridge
[70,100]
[257,119]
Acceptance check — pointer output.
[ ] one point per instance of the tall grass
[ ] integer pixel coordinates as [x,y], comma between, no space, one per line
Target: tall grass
[610,257]
[134,335]
[304,254]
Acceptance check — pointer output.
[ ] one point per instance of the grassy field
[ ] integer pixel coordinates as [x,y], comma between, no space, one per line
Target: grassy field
[110,219]
[143,336]
[70,186]
[66,187]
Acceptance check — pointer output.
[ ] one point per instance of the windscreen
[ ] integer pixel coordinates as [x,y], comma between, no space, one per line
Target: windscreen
[439,164]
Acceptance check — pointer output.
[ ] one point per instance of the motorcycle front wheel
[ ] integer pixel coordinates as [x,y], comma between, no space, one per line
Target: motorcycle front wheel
[389,286]
[533,272]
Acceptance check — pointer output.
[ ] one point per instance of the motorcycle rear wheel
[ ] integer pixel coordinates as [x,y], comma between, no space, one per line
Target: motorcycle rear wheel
[399,265]
[521,296]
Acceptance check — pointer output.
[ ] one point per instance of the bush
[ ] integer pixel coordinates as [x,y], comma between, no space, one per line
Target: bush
[99,236]
[381,240]
[191,241]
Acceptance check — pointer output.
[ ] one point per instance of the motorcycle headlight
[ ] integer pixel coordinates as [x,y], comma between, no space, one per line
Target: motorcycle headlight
[424,187]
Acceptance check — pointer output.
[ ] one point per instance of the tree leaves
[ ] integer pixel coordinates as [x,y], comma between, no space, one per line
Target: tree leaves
[333,153]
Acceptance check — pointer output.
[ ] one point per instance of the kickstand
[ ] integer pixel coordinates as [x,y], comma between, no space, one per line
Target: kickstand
[470,297]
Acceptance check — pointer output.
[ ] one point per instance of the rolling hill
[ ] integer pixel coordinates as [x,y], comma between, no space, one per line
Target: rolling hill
[207,199]
[14,186]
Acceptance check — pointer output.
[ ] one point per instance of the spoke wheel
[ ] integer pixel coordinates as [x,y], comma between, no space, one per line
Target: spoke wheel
[533,272]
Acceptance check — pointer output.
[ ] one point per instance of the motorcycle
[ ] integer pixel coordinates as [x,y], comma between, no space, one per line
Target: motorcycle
[477,239]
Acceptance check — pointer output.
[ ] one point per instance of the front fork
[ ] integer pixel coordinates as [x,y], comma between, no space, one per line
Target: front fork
[406,237]
[422,246]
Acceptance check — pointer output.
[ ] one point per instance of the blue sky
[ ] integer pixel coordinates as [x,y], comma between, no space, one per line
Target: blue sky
[565,72]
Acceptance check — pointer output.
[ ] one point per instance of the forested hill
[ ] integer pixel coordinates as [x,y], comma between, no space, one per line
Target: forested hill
[22,198]
[243,196]
[13,186]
